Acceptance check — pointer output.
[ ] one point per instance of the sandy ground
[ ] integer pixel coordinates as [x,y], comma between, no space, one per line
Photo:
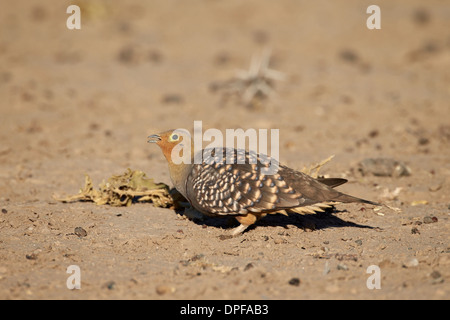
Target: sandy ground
[77,102]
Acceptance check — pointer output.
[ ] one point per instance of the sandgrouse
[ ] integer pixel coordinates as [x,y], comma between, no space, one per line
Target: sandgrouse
[228,187]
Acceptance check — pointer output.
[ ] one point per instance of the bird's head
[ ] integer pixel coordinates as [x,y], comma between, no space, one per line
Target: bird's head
[168,140]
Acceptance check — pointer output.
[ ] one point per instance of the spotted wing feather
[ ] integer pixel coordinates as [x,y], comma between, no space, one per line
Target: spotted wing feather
[227,187]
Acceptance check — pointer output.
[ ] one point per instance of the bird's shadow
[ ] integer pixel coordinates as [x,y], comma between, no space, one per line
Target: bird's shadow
[317,221]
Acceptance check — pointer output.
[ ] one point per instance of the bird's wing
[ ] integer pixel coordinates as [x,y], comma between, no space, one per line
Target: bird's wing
[228,187]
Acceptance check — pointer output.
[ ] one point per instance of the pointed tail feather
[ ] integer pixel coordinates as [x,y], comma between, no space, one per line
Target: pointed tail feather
[347,199]
[332,182]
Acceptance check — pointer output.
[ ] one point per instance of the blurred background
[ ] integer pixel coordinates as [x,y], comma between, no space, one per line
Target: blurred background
[77,101]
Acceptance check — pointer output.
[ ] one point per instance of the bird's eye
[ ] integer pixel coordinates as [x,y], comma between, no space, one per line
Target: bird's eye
[174,137]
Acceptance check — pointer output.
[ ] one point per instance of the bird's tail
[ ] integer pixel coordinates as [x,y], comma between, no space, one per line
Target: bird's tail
[347,199]
[332,182]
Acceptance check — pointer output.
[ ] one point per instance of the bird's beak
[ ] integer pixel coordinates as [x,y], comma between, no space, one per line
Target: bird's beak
[154,138]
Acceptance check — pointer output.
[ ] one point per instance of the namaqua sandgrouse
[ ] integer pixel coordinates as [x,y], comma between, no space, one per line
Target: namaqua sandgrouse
[228,187]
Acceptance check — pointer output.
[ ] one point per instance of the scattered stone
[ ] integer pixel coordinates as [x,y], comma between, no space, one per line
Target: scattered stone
[423,141]
[386,263]
[346,257]
[437,277]
[358,242]
[348,55]
[110,285]
[430,219]
[164,289]
[249,266]
[127,55]
[172,98]
[197,257]
[294,282]
[342,266]
[435,274]
[4,210]
[32,256]
[383,167]
[373,133]
[436,186]
[79,231]
[411,263]
[279,240]
[225,237]
[415,231]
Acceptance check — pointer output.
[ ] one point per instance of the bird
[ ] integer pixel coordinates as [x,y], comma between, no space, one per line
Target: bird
[220,185]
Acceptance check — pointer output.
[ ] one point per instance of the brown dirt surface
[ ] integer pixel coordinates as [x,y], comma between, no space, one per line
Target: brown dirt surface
[78,102]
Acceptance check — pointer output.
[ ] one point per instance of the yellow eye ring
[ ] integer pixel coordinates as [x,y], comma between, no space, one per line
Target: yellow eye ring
[174,137]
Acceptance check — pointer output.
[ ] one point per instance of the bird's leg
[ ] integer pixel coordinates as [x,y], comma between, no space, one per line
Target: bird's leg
[245,221]
[239,229]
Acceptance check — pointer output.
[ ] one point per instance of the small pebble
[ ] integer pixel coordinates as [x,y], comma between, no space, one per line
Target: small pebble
[172,98]
[423,141]
[4,210]
[342,266]
[415,231]
[294,282]
[348,55]
[110,285]
[31,256]
[436,186]
[411,263]
[127,55]
[79,231]
[163,289]
[374,133]
[437,277]
[383,167]
[279,241]
[429,219]
[249,266]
